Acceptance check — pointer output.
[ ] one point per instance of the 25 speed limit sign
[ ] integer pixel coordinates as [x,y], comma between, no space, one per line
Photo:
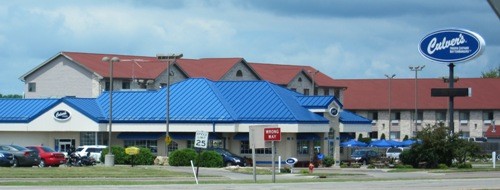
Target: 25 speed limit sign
[201,139]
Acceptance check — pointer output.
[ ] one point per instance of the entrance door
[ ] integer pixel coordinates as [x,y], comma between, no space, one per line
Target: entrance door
[64,145]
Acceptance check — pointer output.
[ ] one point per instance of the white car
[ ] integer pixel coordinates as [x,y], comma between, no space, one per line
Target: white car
[94,150]
[393,152]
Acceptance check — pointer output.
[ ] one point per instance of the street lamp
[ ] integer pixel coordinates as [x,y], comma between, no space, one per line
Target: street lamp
[416,69]
[170,59]
[109,160]
[390,122]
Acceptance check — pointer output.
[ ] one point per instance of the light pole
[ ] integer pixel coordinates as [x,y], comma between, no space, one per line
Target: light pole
[170,59]
[416,69]
[313,74]
[390,92]
[109,159]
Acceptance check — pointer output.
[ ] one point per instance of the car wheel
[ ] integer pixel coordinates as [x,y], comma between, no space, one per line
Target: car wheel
[16,163]
[41,164]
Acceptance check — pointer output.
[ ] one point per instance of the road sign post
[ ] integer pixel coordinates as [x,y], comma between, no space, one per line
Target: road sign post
[273,134]
[200,141]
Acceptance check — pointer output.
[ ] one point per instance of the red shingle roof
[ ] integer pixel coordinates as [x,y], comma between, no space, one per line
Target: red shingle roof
[141,67]
[491,134]
[284,74]
[211,68]
[373,94]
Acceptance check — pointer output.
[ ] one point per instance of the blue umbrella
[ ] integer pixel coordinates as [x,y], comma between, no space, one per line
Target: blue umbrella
[395,143]
[410,142]
[381,143]
[353,143]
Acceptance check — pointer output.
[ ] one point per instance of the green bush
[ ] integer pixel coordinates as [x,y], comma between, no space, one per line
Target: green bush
[464,166]
[182,157]
[402,166]
[145,157]
[210,159]
[328,161]
[382,136]
[285,170]
[442,166]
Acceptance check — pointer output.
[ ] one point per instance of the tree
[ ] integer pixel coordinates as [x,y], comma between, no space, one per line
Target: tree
[493,73]
[438,147]
[360,136]
[382,136]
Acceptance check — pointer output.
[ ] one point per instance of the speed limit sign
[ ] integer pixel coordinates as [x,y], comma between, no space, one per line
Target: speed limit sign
[201,139]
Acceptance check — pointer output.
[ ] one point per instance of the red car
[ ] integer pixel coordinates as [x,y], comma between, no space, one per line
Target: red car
[48,156]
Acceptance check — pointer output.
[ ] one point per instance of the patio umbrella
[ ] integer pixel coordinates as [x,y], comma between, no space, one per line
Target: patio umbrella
[353,143]
[395,143]
[380,143]
[409,142]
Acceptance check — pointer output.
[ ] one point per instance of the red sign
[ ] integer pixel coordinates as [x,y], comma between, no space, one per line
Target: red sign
[272,134]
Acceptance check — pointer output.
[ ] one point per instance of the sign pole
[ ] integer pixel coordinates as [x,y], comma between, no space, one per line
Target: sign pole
[451,100]
[273,160]
[253,155]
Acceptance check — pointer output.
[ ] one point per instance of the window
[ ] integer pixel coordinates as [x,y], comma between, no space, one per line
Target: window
[173,146]
[239,73]
[487,117]
[373,115]
[395,117]
[326,91]
[395,135]
[441,116]
[464,117]
[32,87]
[302,147]
[293,89]
[420,117]
[126,85]
[315,91]
[106,86]
[245,147]
[306,91]
[300,79]
[89,138]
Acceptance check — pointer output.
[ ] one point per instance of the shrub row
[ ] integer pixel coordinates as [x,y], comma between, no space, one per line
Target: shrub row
[183,157]
[145,157]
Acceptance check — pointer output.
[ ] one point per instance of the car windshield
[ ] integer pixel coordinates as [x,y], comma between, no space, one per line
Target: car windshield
[395,150]
[19,148]
[359,153]
[47,149]
[79,149]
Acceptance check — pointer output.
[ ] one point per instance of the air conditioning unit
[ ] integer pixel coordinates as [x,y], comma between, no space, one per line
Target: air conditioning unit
[487,122]
[464,122]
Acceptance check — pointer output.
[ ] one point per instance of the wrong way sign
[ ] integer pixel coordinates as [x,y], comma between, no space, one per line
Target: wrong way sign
[272,134]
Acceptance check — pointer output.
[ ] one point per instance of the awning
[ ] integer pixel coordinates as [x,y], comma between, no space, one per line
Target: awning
[191,136]
[140,135]
[241,137]
[308,136]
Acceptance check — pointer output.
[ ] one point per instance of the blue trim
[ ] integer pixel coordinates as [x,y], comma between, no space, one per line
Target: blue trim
[241,137]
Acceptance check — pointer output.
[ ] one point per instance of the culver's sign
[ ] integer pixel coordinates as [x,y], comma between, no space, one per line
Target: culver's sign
[451,45]
[62,115]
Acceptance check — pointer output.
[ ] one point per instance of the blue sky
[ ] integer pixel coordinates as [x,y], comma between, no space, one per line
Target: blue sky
[346,39]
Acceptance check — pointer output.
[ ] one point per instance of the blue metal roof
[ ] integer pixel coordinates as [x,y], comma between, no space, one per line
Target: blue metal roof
[316,101]
[348,117]
[24,110]
[192,100]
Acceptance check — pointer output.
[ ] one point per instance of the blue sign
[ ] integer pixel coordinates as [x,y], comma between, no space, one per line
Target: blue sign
[291,161]
[62,115]
[451,45]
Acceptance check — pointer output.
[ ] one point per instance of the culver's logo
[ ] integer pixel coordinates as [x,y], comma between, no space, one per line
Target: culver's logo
[451,45]
[62,115]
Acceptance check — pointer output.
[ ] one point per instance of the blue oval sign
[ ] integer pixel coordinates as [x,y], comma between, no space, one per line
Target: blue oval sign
[291,161]
[62,115]
[451,45]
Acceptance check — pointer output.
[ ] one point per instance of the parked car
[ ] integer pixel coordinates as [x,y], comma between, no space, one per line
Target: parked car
[229,158]
[48,157]
[6,159]
[22,155]
[94,150]
[365,156]
[393,152]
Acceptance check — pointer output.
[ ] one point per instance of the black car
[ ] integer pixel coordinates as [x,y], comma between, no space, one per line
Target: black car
[229,158]
[22,155]
[6,159]
[364,156]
